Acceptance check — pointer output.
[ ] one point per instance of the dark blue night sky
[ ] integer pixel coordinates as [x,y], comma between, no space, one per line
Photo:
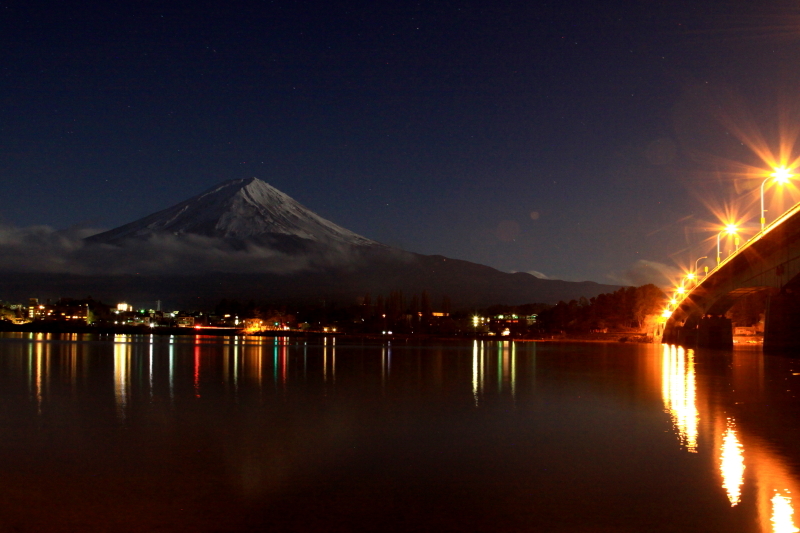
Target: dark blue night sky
[576,139]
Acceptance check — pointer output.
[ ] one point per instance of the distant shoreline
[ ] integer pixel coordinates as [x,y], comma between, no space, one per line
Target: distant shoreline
[226,332]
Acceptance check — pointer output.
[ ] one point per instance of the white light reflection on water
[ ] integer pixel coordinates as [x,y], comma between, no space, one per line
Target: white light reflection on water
[172,368]
[732,464]
[274,360]
[502,370]
[507,361]
[481,370]
[151,366]
[386,365]
[236,365]
[499,366]
[475,371]
[226,360]
[782,513]
[514,370]
[679,392]
[383,368]
[30,369]
[122,351]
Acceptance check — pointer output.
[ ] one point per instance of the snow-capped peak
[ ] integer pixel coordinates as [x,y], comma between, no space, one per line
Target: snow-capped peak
[243,210]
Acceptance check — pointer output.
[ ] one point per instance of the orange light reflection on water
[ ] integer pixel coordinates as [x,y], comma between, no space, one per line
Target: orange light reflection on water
[732,464]
[782,513]
[679,392]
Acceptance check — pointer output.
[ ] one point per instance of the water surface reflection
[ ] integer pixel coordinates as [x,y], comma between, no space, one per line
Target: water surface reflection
[129,433]
[679,390]
[743,457]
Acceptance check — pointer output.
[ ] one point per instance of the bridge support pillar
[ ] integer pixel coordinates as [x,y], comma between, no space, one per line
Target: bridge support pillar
[669,336]
[715,332]
[687,336]
[782,323]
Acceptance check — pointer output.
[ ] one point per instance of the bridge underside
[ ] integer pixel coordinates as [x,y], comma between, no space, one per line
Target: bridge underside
[712,329]
[769,262]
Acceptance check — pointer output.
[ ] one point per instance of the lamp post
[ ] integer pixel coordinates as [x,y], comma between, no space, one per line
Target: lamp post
[696,275]
[781,175]
[730,229]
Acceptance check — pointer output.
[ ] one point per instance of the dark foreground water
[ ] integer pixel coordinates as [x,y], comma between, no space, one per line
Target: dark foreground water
[139,433]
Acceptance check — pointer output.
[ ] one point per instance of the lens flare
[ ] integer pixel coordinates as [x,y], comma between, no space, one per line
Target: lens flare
[782,175]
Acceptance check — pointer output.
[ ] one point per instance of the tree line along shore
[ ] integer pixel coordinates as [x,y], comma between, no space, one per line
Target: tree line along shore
[626,314]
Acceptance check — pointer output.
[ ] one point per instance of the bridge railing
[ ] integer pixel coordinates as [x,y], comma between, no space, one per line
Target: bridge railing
[750,242]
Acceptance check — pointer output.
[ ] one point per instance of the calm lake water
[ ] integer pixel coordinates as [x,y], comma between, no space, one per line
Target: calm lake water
[139,433]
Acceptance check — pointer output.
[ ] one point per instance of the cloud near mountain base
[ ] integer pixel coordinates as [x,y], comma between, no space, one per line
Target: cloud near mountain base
[42,249]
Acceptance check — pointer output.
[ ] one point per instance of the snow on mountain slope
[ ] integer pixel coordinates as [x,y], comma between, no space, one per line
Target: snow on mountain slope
[241,210]
[246,240]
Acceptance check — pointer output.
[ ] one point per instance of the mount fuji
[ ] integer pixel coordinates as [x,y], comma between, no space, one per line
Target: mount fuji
[246,240]
[243,211]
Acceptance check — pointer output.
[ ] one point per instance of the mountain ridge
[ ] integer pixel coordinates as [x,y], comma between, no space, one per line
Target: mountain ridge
[244,239]
[240,210]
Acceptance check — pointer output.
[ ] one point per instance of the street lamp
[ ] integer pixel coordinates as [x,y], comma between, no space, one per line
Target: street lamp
[730,229]
[782,176]
[694,275]
[695,264]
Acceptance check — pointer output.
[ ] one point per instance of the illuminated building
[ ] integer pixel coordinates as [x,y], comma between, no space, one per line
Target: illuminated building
[184,321]
[508,324]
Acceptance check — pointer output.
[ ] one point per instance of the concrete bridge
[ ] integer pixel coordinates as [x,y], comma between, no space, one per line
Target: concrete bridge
[770,262]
